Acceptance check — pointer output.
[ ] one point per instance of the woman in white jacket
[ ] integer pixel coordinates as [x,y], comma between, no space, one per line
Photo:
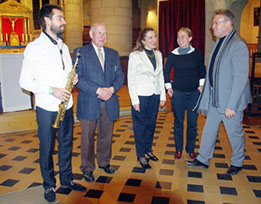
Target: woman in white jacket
[146,89]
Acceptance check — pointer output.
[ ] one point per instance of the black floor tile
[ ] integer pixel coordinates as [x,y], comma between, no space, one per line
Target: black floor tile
[116,167]
[247,158]
[163,185]
[248,131]
[193,174]
[133,182]
[138,170]
[14,148]
[26,141]
[195,202]
[32,150]
[195,188]
[125,149]
[5,167]
[168,161]
[169,152]
[160,200]
[157,132]
[75,154]
[64,191]
[256,143]
[104,179]
[249,167]
[155,137]
[34,184]
[120,130]
[9,140]
[221,156]
[116,135]
[92,193]
[26,170]
[166,172]
[19,158]
[2,155]
[129,142]
[218,148]
[170,145]
[254,179]
[224,177]
[126,197]
[171,138]
[253,137]
[9,182]
[37,161]
[77,176]
[228,190]
[221,165]
[257,193]
[119,158]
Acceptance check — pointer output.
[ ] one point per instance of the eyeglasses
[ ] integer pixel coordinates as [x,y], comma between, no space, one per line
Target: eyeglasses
[218,22]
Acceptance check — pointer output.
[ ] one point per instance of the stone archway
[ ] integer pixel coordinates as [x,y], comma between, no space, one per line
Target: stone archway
[237,8]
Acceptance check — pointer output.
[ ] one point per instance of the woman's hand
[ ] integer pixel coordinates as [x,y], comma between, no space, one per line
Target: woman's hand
[136,107]
[170,92]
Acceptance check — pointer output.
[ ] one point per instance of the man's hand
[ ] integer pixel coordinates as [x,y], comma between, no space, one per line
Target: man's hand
[200,88]
[229,113]
[136,107]
[61,93]
[104,93]
[75,79]
[170,92]
[162,103]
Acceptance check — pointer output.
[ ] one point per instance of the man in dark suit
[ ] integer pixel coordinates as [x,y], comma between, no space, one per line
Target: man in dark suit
[100,77]
[226,92]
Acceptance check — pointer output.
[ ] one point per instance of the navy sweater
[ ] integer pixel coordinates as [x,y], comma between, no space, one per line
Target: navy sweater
[188,69]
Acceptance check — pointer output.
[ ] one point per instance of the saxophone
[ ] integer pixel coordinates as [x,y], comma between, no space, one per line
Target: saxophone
[69,85]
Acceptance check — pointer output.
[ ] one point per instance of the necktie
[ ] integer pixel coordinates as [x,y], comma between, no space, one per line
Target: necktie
[101,59]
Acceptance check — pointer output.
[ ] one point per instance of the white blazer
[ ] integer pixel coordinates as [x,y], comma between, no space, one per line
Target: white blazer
[143,80]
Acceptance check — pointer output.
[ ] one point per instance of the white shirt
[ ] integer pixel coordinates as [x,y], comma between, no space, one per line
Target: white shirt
[43,68]
[102,51]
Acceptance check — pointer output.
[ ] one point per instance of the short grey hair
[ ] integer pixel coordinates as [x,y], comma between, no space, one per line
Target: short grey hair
[93,26]
[227,13]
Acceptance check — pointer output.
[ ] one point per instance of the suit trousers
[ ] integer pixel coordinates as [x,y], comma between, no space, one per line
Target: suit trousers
[47,134]
[235,132]
[104,141]
[144,123]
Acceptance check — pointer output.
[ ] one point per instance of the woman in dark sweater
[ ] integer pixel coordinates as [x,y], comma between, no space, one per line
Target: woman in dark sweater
[189,78]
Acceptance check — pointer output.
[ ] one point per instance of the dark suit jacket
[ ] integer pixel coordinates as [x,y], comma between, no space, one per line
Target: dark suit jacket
[91,77]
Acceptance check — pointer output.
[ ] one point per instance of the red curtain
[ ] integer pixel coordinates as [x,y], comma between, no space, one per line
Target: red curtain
[7,27]
[174,14]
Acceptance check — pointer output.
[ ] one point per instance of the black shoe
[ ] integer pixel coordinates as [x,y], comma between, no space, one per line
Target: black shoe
[88,176]
[196,162]
[74,186]
[49,195]
[108,169]
[153,157]
[233,170]
[145,166]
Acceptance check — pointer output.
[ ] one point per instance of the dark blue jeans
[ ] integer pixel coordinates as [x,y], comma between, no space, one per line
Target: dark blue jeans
[180,102]
[47,134]
[144,123]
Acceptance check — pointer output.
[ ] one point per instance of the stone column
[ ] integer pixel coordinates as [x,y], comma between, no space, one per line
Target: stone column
[73,13]
[117,16]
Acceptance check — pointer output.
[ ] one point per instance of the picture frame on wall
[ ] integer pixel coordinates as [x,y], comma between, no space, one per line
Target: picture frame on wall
[256,16]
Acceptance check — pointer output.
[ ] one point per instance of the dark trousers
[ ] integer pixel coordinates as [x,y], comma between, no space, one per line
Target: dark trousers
[47,134]
[180,102]
[104,141]
[144,123]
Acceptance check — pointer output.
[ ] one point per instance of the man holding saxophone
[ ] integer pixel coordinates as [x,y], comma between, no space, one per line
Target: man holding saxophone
[46,66]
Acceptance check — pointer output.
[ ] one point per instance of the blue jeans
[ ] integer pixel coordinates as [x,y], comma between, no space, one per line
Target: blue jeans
[180,102]
[144,123]
[47,134]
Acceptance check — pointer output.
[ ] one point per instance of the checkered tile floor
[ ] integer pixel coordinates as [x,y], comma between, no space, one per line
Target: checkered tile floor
[168,181]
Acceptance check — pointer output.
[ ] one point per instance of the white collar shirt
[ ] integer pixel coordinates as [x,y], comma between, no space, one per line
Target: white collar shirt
[43,68]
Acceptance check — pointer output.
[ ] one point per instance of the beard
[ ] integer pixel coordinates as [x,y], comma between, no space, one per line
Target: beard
[58,30]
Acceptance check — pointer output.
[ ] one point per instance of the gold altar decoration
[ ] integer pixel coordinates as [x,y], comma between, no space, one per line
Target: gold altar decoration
[12,9]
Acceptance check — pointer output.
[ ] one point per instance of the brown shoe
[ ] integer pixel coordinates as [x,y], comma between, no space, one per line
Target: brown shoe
[192,155]
[178,155]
